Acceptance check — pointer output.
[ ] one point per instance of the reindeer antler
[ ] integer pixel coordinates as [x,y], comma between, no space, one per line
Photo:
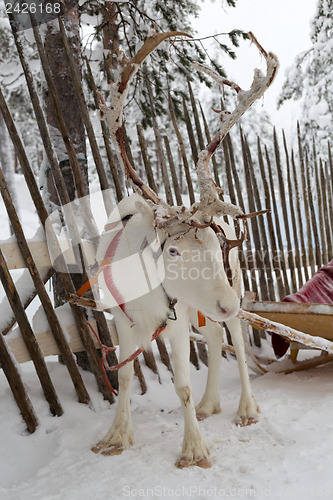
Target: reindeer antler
[119,92]
[209,202]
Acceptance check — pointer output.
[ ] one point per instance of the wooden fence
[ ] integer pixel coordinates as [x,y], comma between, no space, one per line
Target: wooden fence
[283,250]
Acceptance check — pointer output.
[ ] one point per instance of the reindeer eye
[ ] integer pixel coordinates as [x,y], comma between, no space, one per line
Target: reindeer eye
[173,251]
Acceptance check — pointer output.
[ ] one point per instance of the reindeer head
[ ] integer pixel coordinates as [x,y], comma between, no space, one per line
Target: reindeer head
[195,248]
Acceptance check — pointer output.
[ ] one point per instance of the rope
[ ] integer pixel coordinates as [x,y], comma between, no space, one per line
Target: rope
[105,350]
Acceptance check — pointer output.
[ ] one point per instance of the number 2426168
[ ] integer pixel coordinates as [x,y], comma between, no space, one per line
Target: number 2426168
[33,8]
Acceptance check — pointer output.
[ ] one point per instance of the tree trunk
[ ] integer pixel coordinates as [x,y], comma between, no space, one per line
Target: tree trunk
[73,120]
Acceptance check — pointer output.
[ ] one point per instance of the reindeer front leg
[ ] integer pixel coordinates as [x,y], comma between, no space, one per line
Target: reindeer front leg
[213,333]
[194,451]
[120,435]
[248,410]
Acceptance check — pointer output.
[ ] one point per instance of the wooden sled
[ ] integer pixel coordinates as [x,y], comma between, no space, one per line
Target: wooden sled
[304,326]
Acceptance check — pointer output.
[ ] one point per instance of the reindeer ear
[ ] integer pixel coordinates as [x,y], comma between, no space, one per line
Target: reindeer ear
[146,211]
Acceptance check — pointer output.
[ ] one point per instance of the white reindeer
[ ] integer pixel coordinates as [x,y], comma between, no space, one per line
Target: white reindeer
[147,253]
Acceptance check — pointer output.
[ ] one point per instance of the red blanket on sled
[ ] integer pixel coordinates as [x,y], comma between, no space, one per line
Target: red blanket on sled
[318,290]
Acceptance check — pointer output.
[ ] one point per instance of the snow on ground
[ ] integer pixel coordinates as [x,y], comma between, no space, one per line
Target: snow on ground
[288,454]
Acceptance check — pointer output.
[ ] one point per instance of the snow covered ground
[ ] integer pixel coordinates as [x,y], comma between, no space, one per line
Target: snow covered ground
[288,454]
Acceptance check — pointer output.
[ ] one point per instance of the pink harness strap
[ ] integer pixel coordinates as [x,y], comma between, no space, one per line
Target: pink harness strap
[107,273]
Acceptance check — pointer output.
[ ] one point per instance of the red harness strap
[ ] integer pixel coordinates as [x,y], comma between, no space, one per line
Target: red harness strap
[105,350]
[107,272]
[106,267]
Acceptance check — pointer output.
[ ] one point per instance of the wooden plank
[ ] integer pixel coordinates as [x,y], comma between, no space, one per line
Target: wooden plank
[40,253]
[49,346]
[313,319]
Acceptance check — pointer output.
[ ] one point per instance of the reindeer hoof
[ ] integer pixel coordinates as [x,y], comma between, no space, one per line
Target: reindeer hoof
[243,421]
[201,416]
[97,448]
[185,462]
[203,413]
[115,449]
[204,463]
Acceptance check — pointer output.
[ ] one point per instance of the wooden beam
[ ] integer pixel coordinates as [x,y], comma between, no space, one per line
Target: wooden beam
[40,253]
[48,345]
[312,319]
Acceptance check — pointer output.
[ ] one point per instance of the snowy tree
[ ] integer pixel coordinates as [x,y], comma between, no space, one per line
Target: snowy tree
[310,79]
[126,26]
[14,89]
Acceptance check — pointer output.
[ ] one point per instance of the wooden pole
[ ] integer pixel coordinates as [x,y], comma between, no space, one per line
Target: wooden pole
[183,152]
[256,241]
[273,245]
[209,139]
[29,337]
[314,252]
[15,382]
[291,196]
[252,235]
[145,157]
[283,201]
[196,117]
[190,133]
[299,218]
[173,171]
[326,211]
[159,147]
[11,322]
[231,172]
[305,197]
[328,184]
[279,247]
[264,256]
